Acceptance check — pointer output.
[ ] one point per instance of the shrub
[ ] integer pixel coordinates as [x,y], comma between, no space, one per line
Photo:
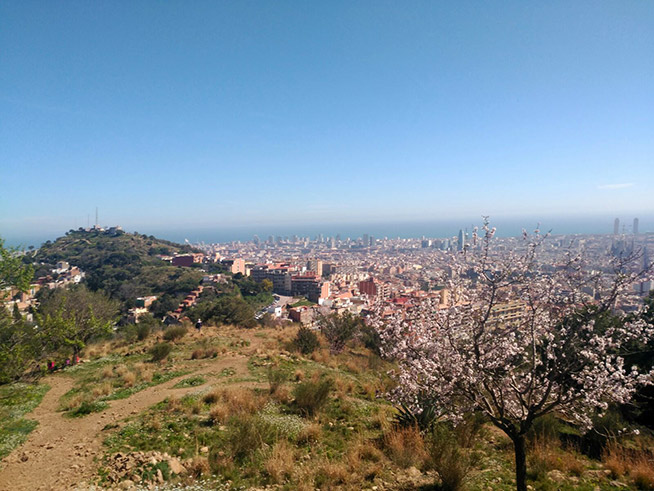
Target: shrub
[339,329]
[448,458]
[311,396]
[160,351]
[405,446]
[643,474]
[174,333]
[198,466]
[306,341]
[142,331]
[275,379]
[247,435]
[423,417]
[279,465]
[371,339]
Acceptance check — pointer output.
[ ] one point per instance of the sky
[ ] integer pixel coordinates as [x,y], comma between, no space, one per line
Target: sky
[208,115]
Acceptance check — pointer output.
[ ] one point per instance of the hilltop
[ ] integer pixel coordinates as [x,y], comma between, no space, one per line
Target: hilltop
[124,265]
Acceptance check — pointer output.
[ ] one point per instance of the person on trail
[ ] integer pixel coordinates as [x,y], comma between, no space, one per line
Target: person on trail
[198,325]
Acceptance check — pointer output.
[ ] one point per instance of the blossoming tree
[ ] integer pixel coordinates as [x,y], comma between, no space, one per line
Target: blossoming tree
[518,339]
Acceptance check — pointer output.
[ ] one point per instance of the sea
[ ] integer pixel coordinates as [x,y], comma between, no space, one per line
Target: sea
[445,228]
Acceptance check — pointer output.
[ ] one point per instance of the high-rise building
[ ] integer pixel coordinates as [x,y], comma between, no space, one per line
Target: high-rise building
[635,226]
[462,241]
[366,240]
[616,226]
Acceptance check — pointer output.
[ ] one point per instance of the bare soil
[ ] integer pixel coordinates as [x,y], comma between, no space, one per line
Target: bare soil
[63,453]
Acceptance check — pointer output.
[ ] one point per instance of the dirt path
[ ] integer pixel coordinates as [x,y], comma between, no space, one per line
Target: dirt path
[60,452]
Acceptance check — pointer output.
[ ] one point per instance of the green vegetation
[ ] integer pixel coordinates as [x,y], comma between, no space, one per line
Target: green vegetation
[302,303]
[16,400]
[190,382]
[306,341]
[160,351]
[123,265]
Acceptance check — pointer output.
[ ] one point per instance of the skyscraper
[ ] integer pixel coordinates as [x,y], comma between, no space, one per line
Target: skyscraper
[462,241]
[635,226]
[616,226]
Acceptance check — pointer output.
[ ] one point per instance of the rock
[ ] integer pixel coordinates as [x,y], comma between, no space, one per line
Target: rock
[126,484]
[413,472]
[160,476]
[204,450]
[49,446]
[555,475]
[153,461]
[175,466]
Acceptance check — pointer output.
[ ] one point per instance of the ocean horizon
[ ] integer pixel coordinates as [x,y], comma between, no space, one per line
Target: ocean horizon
[506,227]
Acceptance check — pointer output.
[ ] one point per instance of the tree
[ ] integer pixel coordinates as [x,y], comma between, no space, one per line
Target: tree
[69,319]
[339,329]
[13,272]
[554,356]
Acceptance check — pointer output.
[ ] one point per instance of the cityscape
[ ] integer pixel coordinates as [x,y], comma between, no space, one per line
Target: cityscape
[345,245]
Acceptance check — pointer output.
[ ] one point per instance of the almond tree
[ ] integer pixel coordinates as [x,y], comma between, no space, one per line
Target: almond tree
[552,357]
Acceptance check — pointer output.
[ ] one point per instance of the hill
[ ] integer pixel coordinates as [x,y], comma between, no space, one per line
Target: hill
[124,265]
[232,408]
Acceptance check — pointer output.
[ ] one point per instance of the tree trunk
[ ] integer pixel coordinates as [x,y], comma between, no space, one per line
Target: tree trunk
[520,462]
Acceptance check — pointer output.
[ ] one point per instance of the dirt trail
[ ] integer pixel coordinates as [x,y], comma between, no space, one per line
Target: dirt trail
[60,452]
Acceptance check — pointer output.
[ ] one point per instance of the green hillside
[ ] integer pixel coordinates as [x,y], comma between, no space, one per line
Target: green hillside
[124,265]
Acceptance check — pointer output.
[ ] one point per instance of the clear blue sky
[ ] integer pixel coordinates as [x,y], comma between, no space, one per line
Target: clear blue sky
[184,114]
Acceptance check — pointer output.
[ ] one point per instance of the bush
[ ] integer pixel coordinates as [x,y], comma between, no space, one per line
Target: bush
[405,447]
[371,339]
[142,331]
[423,417]
[306,341]
[174,332]
[275,378]
[452,462]
[339,329]
[310,397]
[160,351]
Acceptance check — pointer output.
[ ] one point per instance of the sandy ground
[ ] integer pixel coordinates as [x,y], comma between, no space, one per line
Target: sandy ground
[62,453]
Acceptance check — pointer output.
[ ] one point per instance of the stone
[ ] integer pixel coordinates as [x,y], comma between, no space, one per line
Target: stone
[555,475]
[175,466]
[160,476]
[413,472]
[204,450]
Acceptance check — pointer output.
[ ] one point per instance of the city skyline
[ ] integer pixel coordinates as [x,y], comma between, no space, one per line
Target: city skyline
[248,115]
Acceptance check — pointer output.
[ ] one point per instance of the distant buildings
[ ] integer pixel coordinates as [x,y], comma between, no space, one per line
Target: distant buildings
[188,259]
[616,226]
[462,241]
[635,226]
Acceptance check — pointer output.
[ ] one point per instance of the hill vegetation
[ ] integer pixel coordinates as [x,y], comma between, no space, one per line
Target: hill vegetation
[124,265]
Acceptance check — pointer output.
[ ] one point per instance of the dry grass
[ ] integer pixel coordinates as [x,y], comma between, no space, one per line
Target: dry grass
[642,473]
[218,414]
[383,418]
[107,372]
[232,401]
[405,447]
[298,375]
[547,454]
[331,474]
[637,463]
[282,395]
[320,356]
[174,405]
[344,386]
[280,463]
[102,390]
[615,459]
[73,402]
[129,379]
[199,466]
[311,433]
